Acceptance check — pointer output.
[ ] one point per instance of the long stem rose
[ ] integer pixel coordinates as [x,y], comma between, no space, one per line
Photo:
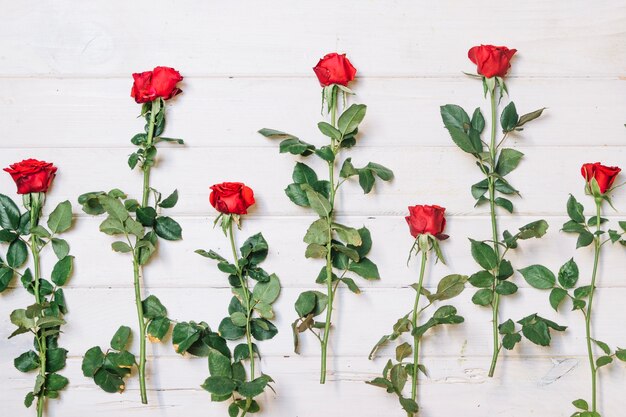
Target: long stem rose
[140,225]
[250,310]
[495,163]
[598,183]
[43,319]
[343,248]
[426,224]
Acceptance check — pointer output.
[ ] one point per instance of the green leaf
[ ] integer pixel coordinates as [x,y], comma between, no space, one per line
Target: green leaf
[28,400]
[509,118]
[529,116]
[605,348]
[504,203]
[146,216]
[184,335]
[483,297]
[267,292]
[581,404]
[620,354]
[158,328]
[603,361]
[170,201]
[60,219]
[457,122]
[510,340]
[409,405]
[482,279]
[317,201]
[326,153]
[538,276]
[109,381]
[557,295]
[167,228]
[347,234]
[508,327]
[255,249]
[398,377]
[366,242]
[56,382]
[92,361]
[229,331]
[121,247]
[6,275]
[17,253]
[315,251]
[329,130]
[121,338]
[351,118]
[112,226]
[575,210]
[262,329]
[508,161]
[347,169]
[584,239]
[9,213]
[449,287]
[582,292]
[27,361]
[366,180]
[535,229]
[305,303]
[253,388]
[60,247]
[506,288]
[478,121]
[318,232]
[55,359]
[219,365]
[380,171]
[483,254]
[365,268]
[568,274]
[152,308]
[403,351]
[303,174]
[296,146]
[62,270]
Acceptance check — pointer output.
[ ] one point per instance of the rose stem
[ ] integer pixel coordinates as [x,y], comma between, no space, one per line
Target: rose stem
[35,212]
[137,268]
[246,297]
[596,258]
[416,339]
[494,230]
[329,259]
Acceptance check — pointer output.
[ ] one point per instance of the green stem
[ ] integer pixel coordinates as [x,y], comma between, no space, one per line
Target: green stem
[137,270]
[35,213]
[142,330]
[156,105]
[416,339]
[329,259]
[246,295]
[495,305]
[592,365]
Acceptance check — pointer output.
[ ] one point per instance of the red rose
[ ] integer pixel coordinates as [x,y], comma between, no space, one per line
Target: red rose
[160,82]
[32,176]
[164,80]
[492,61]
[605,176]
[426,219]
[142,90]
[231,197]
[334,69]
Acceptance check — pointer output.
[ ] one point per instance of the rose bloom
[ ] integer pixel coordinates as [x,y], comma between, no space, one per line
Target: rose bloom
[334,69]
[492,61]
[32,176]
[426,219]
[605,176]
[160,82]
[231,197]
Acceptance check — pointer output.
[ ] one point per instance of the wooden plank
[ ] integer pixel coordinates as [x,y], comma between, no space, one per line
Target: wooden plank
[439,175]
[217,112]
[275,38]
[530,386]
[361,320]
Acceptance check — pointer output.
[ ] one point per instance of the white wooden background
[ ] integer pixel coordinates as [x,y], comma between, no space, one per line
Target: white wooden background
[64,97]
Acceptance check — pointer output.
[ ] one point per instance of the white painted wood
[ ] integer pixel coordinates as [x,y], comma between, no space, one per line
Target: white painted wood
[64,96]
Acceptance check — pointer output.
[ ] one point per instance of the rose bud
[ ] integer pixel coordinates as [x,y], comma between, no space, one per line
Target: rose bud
[231,197]
[334,69]
[604,176]
[32,176]
[426,220]
[492,61]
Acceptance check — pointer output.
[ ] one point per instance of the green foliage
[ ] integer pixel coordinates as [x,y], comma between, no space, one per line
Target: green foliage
[26,240]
